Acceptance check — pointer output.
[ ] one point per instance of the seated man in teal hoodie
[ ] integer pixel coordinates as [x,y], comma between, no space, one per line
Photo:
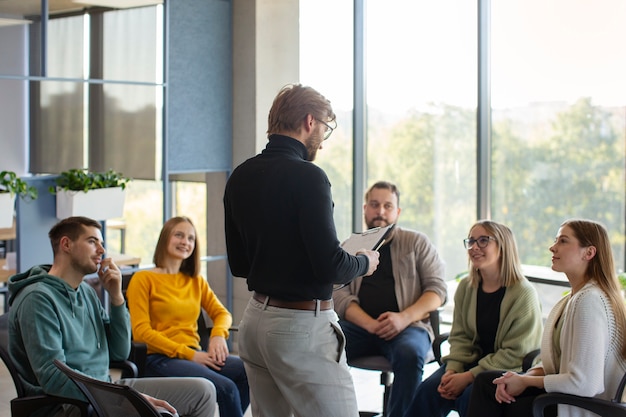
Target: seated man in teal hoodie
[55,315]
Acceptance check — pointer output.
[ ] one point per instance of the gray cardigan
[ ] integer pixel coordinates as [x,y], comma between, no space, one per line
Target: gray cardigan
[417,268]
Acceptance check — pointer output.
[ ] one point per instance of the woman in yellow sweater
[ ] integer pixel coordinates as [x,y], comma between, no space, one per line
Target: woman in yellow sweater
[165,303]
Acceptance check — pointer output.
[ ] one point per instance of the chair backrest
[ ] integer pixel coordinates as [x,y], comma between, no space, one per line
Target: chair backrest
[615,407]
[110,400]
[604,408]
[435,321]
[4,353]
[24,405]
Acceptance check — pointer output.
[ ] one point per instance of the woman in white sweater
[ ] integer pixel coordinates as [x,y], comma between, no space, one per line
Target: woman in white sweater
[583,350]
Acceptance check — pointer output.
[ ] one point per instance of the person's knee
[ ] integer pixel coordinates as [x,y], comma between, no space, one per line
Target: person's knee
[409,359]
[486,378]
[205,387]
[411,354]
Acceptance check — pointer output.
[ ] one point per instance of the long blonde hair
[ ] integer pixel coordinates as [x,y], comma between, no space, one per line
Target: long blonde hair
[510,265]
[601,267]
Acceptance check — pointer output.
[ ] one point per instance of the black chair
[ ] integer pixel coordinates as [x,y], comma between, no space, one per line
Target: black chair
[111,400]
[24,405]
[382,365]
[605,408]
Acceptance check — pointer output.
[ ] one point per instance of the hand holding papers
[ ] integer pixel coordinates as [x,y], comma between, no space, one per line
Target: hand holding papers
[366,242]
[371,239]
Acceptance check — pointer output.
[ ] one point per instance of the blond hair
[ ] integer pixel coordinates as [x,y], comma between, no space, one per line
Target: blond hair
[510,265]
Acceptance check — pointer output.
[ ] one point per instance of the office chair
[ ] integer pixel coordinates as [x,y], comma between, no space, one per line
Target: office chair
[24,405]
[111,400]
[381,364]
[605,408]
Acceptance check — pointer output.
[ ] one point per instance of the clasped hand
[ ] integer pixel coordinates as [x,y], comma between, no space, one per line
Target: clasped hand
[389,324]
[509,386]
[453,384]
[216,354]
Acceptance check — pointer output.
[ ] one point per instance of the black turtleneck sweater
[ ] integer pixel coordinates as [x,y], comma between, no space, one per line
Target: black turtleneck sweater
[280,232]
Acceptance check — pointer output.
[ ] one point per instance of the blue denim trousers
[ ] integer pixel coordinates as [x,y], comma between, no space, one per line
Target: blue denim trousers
[428,402]
[231,382]
[406,352]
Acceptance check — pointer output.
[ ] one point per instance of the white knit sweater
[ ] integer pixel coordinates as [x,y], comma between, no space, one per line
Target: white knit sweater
[591,364]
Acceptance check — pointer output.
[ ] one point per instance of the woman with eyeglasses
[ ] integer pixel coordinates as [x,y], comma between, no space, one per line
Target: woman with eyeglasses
[497,321]
[583,350]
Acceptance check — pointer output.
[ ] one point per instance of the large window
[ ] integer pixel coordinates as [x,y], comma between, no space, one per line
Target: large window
[559,119]
[421,100]
[329,70]
[558,122]
[89,96]
[421,90]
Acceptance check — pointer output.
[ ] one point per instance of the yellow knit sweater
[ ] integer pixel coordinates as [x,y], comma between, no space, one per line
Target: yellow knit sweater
[164,310]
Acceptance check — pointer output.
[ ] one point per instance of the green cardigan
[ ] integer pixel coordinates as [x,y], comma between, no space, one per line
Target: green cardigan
[519,330]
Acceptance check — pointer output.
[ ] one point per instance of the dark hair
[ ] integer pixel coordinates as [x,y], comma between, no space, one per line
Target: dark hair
[191,265]
[383,185]
[292,105]
[72,227]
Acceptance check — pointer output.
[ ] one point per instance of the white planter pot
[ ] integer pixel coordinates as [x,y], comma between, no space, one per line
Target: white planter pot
[7,210]
[100,204]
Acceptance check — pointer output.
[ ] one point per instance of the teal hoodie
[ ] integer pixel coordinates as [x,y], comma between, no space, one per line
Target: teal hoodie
[48,320]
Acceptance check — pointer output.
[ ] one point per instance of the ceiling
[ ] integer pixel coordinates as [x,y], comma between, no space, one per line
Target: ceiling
[20,8]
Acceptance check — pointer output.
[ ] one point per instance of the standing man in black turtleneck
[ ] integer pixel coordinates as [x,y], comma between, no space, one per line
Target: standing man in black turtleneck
[280,235]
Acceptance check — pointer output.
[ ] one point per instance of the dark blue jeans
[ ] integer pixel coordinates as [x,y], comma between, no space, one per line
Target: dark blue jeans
[406,352]
[428,402]
[231,382]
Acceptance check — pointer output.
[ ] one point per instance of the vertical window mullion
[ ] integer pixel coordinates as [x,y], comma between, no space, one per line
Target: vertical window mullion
[95,139]
[483,125]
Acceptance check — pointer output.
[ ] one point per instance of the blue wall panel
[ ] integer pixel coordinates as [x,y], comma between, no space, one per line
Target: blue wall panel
[33,221]
[199,91]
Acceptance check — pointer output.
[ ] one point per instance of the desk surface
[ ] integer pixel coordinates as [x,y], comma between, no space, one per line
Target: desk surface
[545,275]
[8,233]
[123,259]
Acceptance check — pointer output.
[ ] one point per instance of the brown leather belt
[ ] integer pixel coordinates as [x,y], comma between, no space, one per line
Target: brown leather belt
[310,305]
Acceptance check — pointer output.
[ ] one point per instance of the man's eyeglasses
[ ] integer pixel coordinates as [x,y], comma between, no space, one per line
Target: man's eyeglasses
[482,242]
[329,128]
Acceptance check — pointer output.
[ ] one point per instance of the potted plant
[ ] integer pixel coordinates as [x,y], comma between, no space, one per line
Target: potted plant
[12,186]
[98,195]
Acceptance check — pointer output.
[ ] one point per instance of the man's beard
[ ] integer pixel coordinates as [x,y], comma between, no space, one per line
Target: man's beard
[370,224]
[312,145]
